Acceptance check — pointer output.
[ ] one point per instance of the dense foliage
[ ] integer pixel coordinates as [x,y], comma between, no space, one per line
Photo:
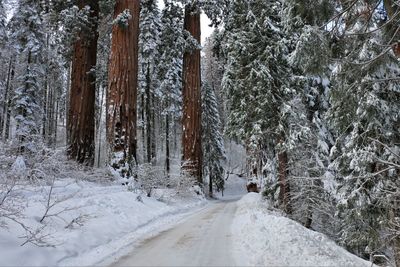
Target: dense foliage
[311,89]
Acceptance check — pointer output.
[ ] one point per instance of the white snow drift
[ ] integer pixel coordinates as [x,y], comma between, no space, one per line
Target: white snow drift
[265,238]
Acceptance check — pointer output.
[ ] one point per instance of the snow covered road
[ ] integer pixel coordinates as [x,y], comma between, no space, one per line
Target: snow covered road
[239,233]
[204,239]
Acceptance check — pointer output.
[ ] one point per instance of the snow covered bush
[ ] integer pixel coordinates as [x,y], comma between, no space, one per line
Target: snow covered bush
[11,201]
[123,18]
[44,182]
[151,177]
[187,185]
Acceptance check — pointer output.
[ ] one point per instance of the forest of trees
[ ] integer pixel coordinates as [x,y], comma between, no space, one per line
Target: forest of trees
[311,89]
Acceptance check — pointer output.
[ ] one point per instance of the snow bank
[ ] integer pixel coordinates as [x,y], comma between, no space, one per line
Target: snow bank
[264,238]
[99,224]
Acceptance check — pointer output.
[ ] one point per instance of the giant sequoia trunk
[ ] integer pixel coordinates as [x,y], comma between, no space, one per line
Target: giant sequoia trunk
[122,90]
[82,95]
[191,122]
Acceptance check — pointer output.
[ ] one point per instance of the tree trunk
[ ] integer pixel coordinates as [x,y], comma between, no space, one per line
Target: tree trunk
[309,219]
[22,111]
[210,187]
[175,134]
[284,194]
[67,97]
[191,121]
[9,106]
[122,90]
[167,153]
[45,95]
[56,124]
[148,115]
[81,122]
[3,118]
[153,128]
[99,128]
[142,114]
[48,115]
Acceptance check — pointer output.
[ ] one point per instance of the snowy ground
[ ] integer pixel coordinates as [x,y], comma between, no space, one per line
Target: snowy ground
[94,220]
[105,223]
[103,220]
[266,238]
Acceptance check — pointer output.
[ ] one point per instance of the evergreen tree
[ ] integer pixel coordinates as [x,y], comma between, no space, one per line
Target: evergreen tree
[103,57]
[308,135]
[3,61]
[213,71]
[256,81]
[365,114]
[212,139]
[28,40]
[3,28]
[170,71]
[149,52]
[53,84]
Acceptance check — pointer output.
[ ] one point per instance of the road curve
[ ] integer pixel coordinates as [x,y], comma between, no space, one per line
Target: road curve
[204,239]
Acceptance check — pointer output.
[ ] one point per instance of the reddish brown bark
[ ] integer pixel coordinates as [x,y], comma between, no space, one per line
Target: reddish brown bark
[122,90]
[82,96]
[191,121]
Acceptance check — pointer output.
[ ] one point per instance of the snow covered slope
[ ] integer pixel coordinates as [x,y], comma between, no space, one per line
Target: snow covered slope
[96,224]
[263,238]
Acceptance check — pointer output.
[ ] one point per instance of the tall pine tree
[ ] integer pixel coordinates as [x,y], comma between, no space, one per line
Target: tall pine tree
[170,71]
[29,40]
[256,80]
[149,52]
[212,140]
[365,115]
